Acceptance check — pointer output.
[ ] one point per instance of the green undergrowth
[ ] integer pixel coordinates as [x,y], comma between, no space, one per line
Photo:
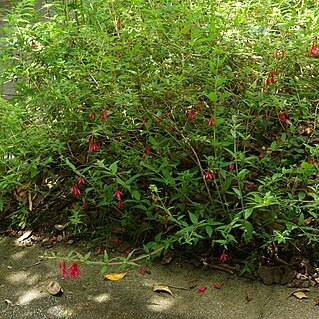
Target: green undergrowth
[165,122]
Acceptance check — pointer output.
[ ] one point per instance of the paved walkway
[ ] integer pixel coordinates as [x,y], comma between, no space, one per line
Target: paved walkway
[23,293]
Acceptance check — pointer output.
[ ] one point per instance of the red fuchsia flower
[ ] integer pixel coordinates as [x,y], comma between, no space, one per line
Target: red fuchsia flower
[75,191]
[261,156]
[201,290]
[223,257]
[52,239]
[33,44]
[92,115]
[94,147]
[147,150]
[208,175]
[81,180]
[282,117]
[314,51]
[74,270]
[211,122]
[118,194]
[65,273]
[251,186]
[115,241]
[270,80]
[103,116]
[142,271]
[120,204]
[217,285]
[85,203]
[199,108]
[192,115]
[277,54]
[231,166]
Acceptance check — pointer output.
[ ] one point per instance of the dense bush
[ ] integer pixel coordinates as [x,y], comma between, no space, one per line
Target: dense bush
[179,122]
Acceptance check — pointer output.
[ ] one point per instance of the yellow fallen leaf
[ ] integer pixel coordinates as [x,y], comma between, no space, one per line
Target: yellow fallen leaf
[300,295]
[115,277]
[157,287]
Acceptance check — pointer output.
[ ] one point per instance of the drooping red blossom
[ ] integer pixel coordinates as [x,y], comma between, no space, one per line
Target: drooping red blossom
[223,257]
[115,241]
[75,191]
[142,271]
[74,270]
[147,150]
[85,203]
[314,51]
[120,204]
[165,219]
[81,180]
[118,194]
[92,115]
[270,80]
[208,175]
[94,147]
[217,285]
[33,44]
[65,273]
[231,166]
[261,156]
[199,108]
[251,186]
[282,117]
[52,239]
[192,115]
[211,122]
[103,116]
[201,290]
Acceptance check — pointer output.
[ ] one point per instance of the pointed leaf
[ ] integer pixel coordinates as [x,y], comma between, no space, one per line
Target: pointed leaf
[114,276]
[162,288]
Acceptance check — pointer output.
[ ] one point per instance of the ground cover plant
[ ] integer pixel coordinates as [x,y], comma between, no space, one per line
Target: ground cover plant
[167,123]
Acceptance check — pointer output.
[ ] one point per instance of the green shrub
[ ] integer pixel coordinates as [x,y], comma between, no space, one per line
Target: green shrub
[181,122]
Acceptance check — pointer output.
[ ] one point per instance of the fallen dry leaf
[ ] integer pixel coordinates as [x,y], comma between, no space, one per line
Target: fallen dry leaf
[300,293]
[162,288]
[114,276]
[249,297]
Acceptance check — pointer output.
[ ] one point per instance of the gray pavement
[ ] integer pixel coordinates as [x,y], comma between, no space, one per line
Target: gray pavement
[23,293]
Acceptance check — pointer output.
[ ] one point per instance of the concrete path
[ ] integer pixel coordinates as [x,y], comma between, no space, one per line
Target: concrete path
[23,293]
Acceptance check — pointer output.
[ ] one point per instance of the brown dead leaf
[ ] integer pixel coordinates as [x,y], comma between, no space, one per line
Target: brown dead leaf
[162,288]
[114,276]
[300,293]
[21,194]
[308,220]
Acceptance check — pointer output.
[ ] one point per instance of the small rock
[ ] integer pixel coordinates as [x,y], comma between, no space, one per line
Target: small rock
[54,288]
[288,276]
[266,274]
